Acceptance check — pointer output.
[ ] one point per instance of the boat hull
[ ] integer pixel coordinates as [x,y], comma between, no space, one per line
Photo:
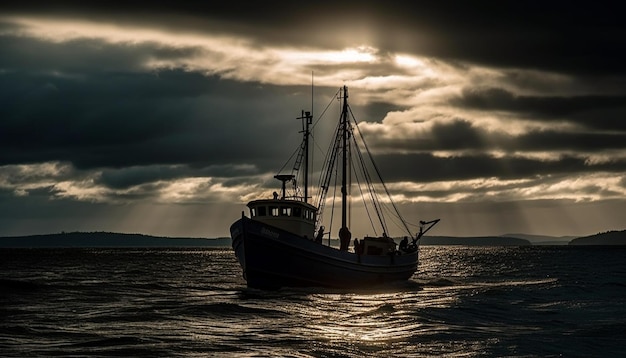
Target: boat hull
[272,258]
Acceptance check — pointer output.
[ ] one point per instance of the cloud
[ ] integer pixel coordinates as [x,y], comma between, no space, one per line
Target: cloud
[459,135]
[176,184]
[198,102]
[600,112]
[591,186]
[549,37]
[425,167]
[128,118]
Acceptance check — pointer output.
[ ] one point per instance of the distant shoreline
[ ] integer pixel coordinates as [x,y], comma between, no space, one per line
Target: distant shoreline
[123,240]
[107,240]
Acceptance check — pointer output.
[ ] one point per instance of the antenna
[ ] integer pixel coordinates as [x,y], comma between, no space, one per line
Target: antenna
[312,96]
[309,120]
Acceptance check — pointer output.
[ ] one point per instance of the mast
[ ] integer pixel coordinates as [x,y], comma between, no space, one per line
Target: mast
[344,233]
[307,120]
[344,161]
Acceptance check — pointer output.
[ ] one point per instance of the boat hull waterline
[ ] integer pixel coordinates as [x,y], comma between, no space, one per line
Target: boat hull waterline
[272,258]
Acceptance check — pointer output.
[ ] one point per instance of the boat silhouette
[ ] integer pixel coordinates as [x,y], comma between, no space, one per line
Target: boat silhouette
[281,242]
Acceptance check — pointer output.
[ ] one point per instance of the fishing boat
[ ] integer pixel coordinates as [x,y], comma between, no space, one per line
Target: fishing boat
[283,240]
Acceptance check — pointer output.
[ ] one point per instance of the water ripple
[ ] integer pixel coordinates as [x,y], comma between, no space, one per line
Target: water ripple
[463,302]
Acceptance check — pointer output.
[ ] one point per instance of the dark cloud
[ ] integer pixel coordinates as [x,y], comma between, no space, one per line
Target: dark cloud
[531,35]
[461,135]
[96,110]
[592,111]
[551,140]
[73,57]
[457,135]
[429,168]
[133,176]
[123,178]
[376,111]
[573,39]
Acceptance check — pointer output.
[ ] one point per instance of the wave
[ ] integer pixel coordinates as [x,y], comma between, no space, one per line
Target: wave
[14,286]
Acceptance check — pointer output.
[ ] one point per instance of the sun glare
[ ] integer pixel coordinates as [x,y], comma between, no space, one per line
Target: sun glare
[407,61]
[348,55]
[359,54]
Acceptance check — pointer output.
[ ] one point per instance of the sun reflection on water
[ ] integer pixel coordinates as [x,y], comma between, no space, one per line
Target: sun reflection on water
[371,319]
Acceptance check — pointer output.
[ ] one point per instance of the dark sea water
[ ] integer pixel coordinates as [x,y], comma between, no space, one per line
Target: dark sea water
[537,301]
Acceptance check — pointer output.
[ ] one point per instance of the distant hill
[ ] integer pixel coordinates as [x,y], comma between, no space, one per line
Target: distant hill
[110,240]
[474,241]
[107,239]
[603,238]
[543,239]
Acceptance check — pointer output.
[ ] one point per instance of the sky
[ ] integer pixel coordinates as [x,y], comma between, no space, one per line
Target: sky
[166,119]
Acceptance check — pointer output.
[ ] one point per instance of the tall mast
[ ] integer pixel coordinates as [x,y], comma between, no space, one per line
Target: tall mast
[344,161]
[308,118]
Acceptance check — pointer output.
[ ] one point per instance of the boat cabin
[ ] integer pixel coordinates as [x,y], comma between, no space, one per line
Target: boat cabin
[294,216]
[377,246]
[290,214]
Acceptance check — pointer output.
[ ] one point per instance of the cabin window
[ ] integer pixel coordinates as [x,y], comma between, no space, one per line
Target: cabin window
[253,212]
[274,210]
[297,212]
[285,211]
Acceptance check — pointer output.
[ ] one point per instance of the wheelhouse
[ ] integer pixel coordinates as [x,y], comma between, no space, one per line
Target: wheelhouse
[294,216]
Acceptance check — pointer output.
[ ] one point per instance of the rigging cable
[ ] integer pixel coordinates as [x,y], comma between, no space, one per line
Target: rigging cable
[332,212]
[378,173]
[372,191]
[367,211]
[326,173]
[300,148]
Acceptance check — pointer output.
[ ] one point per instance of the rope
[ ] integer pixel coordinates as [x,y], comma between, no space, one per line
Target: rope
[378,172]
